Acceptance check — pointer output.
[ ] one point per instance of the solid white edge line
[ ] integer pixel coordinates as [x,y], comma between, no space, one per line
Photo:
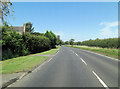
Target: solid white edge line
[101,81]
[83,61]
[49,60]
[45,62]
[52,57]
[57,53]
[34,69]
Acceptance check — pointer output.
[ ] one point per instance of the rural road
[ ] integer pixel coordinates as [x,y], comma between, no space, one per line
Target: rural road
[72,67]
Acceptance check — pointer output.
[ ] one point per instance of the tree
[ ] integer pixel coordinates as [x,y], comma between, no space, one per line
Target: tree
[71,41]
[104,43]
[58,40]
[28,27]
[12,44]
[36,43]
[61,42]
[66,42]
[78,43]
[52,38]
[38,34]
[5,9]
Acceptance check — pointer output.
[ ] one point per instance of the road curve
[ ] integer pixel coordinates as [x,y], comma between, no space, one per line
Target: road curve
[72,67]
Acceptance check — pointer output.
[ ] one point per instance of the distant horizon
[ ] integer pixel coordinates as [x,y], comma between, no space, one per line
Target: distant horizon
[78,20]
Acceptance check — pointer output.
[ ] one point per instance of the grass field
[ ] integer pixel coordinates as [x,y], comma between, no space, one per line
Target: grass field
[105,51]
[25,63]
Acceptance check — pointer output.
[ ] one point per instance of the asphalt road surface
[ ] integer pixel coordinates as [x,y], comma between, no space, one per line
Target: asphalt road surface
[72,67]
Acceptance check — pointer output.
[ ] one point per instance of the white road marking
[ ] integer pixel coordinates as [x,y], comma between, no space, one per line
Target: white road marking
[80,58]
[33,70]
[42,64]
[49,60]
[72,51]
[83,61]
[76,54]
[57,53]
[22,76]
[100,80]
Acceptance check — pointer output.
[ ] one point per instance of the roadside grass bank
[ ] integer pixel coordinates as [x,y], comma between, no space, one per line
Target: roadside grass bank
[114,53]
[25,63]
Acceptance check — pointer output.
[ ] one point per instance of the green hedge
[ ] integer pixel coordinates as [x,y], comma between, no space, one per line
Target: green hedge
[104,43]
[36,43]
[15,44]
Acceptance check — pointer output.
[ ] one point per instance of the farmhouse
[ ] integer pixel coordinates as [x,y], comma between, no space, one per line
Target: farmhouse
[19,29]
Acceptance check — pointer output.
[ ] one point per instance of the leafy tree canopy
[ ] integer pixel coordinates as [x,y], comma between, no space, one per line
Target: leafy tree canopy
[29,27]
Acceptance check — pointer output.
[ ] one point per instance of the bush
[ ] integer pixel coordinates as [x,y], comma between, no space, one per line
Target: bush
[36,43]
[12,44]
[52,38]
[15,44]
[104,43]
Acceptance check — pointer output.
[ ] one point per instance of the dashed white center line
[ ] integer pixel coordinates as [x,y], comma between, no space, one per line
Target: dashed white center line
[72,51]
[83,61]
[100,80]
[80,58]
[76,54]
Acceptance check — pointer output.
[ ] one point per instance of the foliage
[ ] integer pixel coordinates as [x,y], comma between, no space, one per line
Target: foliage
[104,43]
[49,52]
[12,44]
[6,7]
[58,40]
[52,38]
[71,41]
[38,34]
[15,44]
[66,42]
[36,43]
[28,27]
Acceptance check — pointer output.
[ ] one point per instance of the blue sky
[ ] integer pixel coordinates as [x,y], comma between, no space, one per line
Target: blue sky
[81,21]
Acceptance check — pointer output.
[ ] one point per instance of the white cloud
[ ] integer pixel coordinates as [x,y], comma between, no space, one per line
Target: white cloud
[110,29]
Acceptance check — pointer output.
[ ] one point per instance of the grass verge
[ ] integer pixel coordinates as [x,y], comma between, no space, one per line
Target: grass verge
[25,63]
[105,51]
